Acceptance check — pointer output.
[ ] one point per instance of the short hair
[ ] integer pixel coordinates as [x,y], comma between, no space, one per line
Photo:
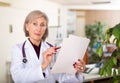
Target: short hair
[32,16]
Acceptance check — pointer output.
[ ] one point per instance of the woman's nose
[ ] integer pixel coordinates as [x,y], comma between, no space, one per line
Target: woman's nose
[38,28]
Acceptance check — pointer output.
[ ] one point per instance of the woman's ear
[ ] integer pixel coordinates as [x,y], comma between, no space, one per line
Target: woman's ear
[27,27]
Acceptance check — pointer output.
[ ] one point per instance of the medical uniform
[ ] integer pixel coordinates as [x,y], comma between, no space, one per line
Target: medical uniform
[31,71]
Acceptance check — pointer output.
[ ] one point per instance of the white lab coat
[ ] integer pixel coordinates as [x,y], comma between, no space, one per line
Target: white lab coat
[31,72]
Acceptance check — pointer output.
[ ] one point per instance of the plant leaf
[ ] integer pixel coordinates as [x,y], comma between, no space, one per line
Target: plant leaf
[114,60]
[116,31]
[99,50]
[119,43]
[109,70]
[101,71]
[119,70]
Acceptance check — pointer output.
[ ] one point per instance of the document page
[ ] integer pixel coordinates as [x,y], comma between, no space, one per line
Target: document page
[72,49]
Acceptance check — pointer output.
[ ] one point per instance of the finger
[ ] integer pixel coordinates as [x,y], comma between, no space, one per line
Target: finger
[79,64]
[79,67]
[81,61]
[51,50]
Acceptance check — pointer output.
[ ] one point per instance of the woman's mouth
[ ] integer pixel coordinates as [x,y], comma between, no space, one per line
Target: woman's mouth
[37,34]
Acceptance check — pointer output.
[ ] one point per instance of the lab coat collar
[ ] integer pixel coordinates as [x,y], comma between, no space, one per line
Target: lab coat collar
[28,44]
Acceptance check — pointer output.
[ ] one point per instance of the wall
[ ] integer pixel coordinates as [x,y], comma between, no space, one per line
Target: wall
[76,23]
[80,23]
[110,17]
[83,17]
[15,16]
[8,39]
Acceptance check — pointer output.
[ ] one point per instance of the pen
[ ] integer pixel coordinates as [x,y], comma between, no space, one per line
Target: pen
[56,48]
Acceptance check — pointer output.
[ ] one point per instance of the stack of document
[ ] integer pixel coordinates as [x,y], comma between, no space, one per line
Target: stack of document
[72,49]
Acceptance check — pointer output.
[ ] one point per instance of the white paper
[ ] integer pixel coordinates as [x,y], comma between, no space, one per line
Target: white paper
[72,49]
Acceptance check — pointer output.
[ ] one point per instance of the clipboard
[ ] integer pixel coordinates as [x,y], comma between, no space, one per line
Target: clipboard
[72,49]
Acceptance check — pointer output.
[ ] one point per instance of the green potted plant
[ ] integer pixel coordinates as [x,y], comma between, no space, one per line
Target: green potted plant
[95,32]
[111,66]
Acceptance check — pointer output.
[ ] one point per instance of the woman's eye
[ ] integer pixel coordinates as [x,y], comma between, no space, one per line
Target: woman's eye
[42,25]
[34,23]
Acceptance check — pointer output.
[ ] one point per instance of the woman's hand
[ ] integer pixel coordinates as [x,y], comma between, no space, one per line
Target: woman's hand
[47,56]
[79,65]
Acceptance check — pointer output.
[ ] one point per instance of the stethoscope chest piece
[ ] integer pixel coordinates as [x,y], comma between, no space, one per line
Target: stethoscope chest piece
[24,60]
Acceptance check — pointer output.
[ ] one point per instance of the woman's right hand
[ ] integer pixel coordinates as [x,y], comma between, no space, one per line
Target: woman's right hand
[47,56]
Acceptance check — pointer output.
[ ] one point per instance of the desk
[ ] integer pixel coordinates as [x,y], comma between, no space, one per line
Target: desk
[94,77]
[101,80]
[91,77]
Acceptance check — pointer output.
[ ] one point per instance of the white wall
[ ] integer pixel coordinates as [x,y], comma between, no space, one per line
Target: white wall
[9,17]
[80,23]
[15,16]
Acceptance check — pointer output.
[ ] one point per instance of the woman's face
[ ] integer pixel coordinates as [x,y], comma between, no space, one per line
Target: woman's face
[36,28]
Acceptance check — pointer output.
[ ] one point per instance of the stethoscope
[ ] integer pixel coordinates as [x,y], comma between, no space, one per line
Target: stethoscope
[23,53]
[24,60]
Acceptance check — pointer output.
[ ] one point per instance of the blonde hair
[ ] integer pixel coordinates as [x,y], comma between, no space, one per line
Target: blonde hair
[32,16]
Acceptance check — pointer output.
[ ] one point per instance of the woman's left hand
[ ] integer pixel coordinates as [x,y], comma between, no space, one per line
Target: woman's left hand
[79,65]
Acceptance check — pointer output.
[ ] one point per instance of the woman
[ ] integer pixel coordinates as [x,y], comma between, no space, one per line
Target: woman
[31,60]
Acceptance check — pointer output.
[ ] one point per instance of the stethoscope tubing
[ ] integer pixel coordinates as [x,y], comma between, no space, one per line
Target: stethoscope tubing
[23,53]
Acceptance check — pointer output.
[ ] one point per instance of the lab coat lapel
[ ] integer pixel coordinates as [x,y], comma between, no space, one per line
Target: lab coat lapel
[31,51]
[42,49]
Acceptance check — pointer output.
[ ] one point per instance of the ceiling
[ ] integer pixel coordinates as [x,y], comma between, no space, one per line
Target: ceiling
[89,4]
[85,2]
[80,4]
[77,2]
